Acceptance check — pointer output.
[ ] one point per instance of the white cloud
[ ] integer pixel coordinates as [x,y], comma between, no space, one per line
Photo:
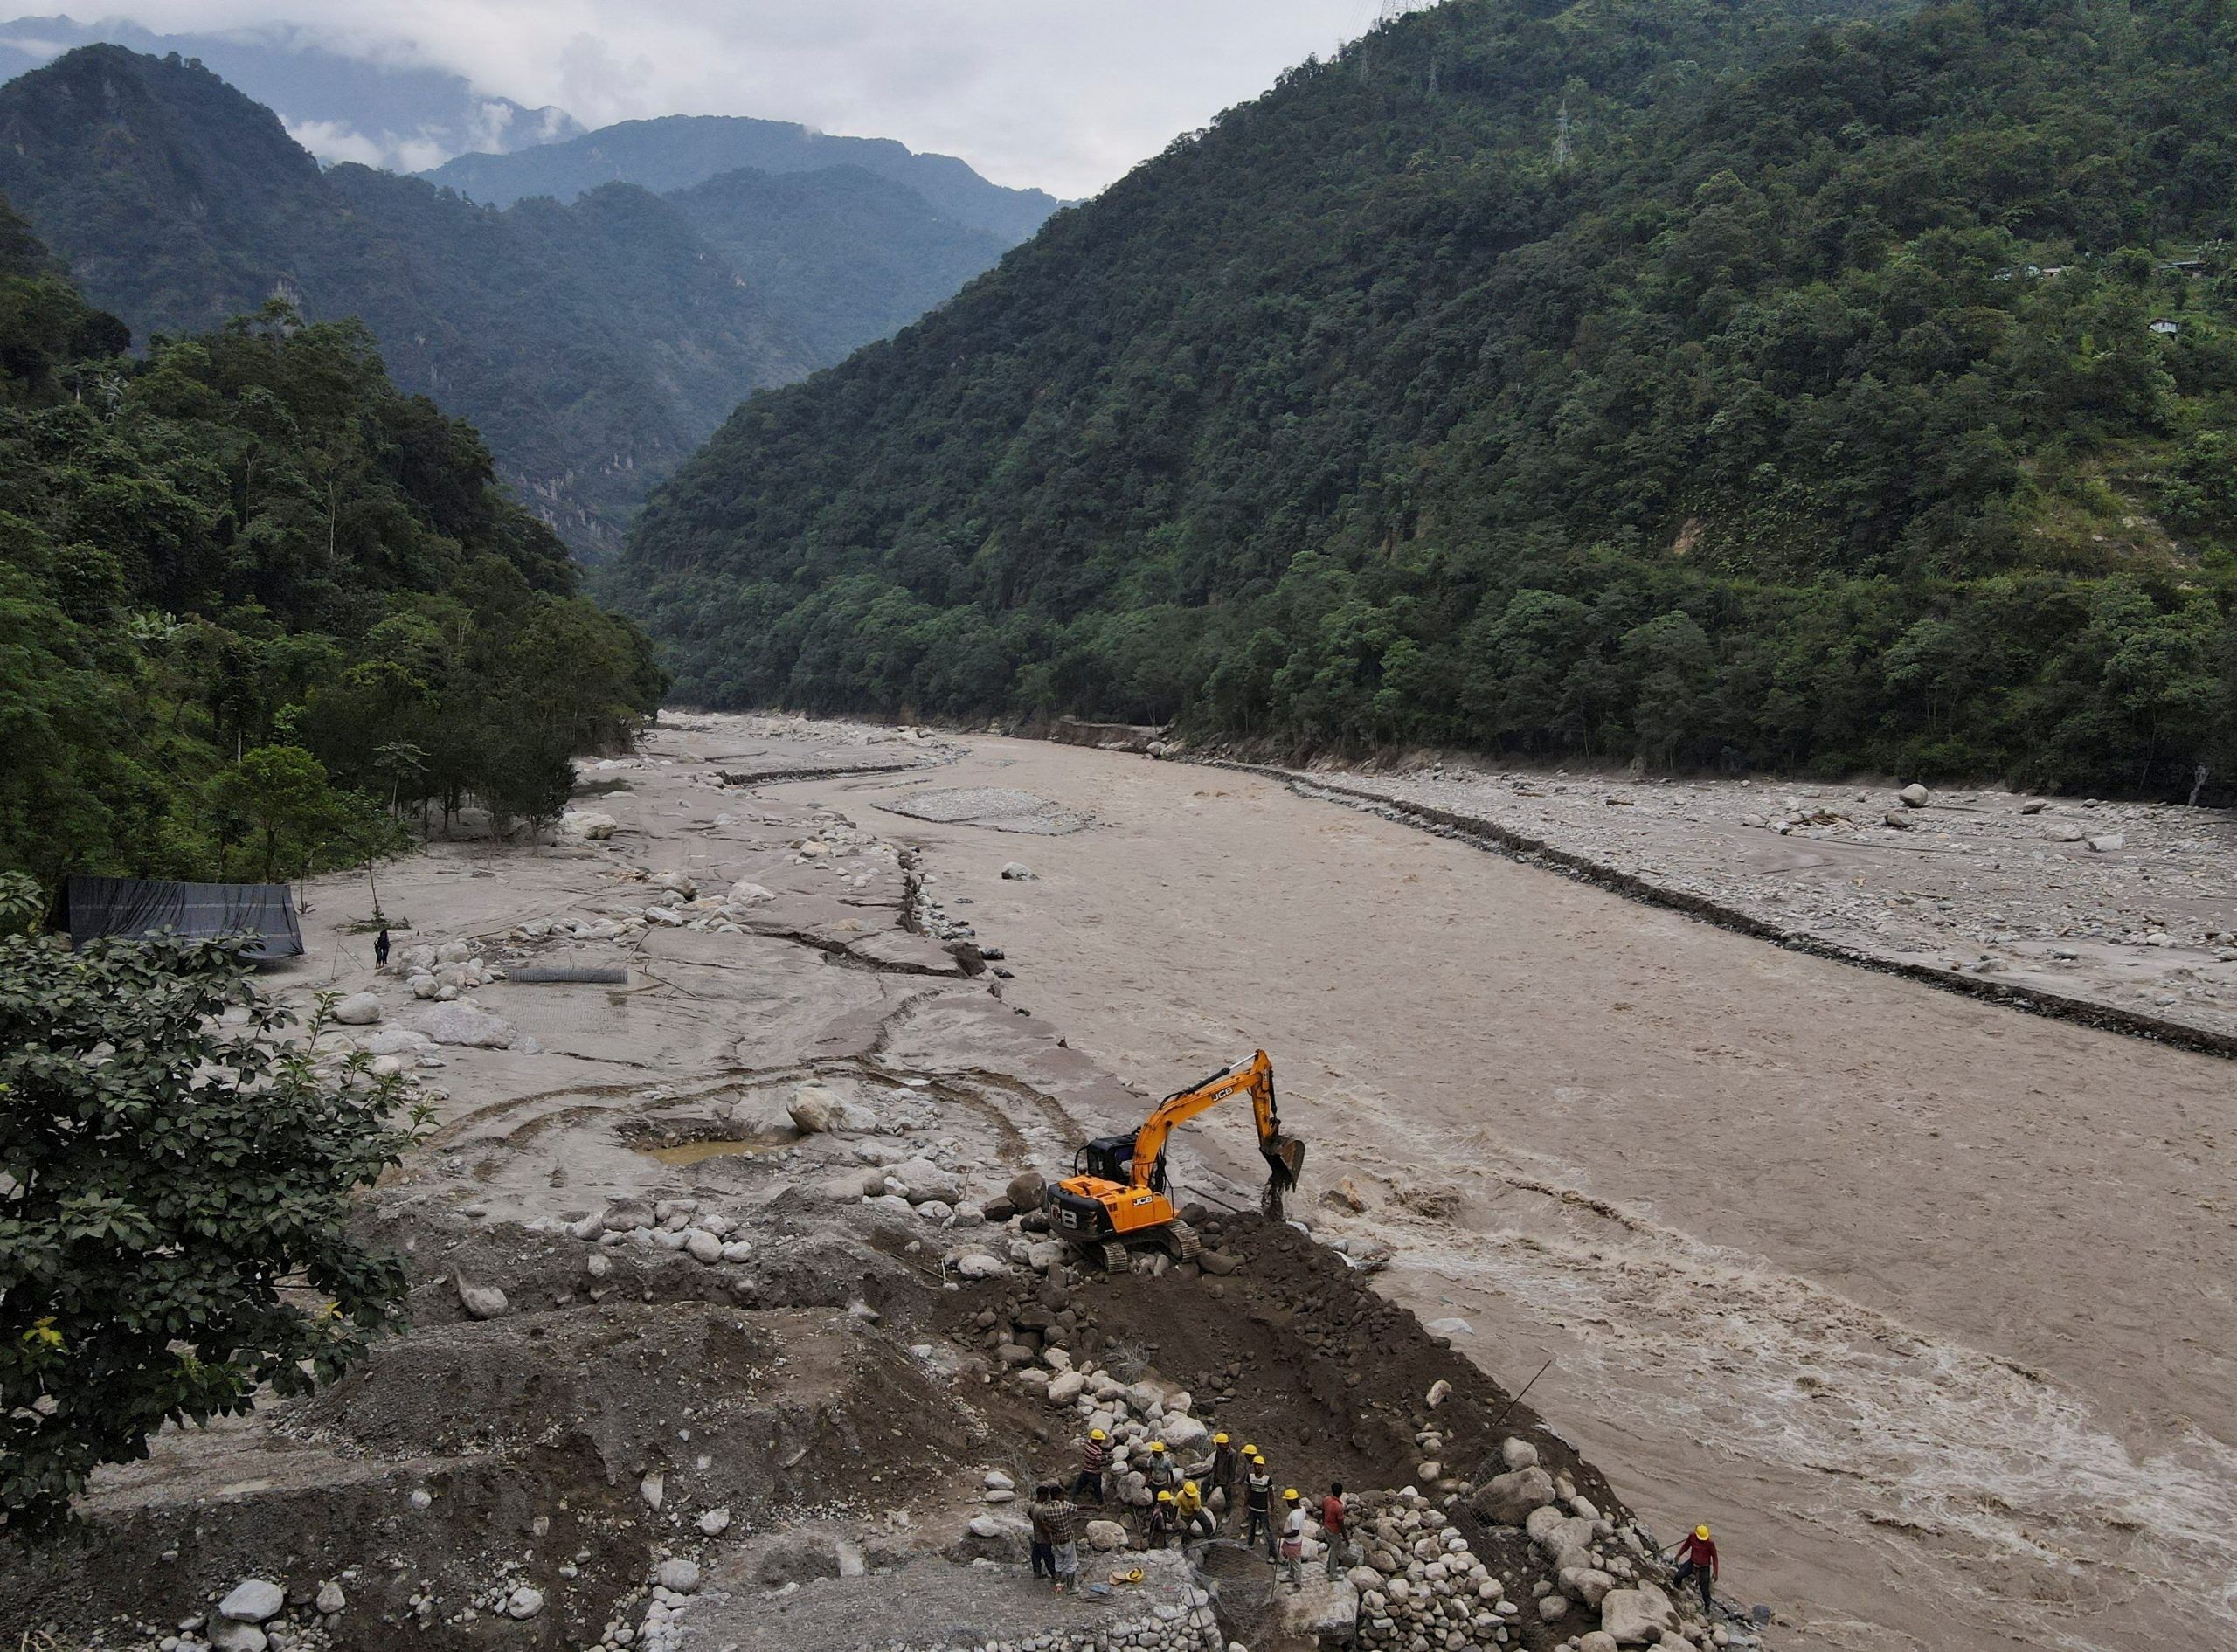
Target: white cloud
[1066,94]
[332,142]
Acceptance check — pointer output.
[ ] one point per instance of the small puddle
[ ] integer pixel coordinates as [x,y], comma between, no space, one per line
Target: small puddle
[693,1153]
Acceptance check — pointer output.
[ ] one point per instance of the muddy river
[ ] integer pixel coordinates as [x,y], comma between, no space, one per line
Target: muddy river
[1923,1305]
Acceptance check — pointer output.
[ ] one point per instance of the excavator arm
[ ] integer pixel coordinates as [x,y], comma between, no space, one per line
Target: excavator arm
[1284,1155]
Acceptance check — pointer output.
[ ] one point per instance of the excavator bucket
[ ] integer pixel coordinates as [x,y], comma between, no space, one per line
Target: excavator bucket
[1285,1158]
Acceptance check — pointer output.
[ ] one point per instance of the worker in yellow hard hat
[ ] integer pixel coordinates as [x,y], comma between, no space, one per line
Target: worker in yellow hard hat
[1220,1475]
[1257,1505]
[1095,1463]
[1293,1524]
[1697,1559]
[1188,1511]
[1165,1525]
[1159,1471]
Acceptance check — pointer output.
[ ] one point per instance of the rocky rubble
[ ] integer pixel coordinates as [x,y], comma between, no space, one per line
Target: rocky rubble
[1419,1584]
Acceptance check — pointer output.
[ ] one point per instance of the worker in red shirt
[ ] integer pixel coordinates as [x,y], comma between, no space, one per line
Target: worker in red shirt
[1334,1523]
[1697,1558]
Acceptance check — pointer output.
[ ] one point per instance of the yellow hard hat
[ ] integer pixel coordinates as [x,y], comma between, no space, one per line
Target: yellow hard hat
[1157,1445]
[1187,1485]
[1248,1450]
[1165,1496]
[1219,1439]
[1290,1495]
[1702,1532]
[1097,1434]
[1258,1459]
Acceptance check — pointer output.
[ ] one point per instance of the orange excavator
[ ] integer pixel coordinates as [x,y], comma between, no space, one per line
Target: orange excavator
[1115,1197]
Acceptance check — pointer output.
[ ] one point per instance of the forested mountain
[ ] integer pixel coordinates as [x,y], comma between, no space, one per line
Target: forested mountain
[1706,384]
[680,150]
[845,256]
[340,107]
[596,344]
[252,598]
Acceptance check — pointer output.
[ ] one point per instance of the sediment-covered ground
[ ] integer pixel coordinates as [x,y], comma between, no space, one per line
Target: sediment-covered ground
[735,1324]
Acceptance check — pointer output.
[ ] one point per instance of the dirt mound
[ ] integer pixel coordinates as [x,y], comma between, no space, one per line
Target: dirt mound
[1294,1353]
[780,1405]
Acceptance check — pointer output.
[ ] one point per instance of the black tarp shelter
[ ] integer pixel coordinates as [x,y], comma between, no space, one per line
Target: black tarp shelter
[93,906]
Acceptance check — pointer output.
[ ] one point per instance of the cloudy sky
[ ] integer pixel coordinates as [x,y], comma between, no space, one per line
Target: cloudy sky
[1063,94]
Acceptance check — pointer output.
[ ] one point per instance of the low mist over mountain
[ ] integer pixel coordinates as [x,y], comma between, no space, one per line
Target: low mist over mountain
[595,342]
[1698,383]
[338,105]
[681,150]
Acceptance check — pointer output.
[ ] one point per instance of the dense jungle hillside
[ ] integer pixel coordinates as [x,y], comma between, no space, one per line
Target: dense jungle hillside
[255,604]
[595,343]
[1694,383]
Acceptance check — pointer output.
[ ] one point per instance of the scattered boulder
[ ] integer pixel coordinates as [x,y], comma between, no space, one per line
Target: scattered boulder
[1106,1537]
[1510,1499]
[228,1635]
[2110,843]
[253,1600]
[1914,796]
[1637,1616]
[745,892]
[678,1575]
[524,1603]
[329,1598]
[1018,871]
[919,1179]
[815,1110]
[590,824]
[1518,1453]
[465,1025]
[1028,1190]
[2063,832]
[359,1009]
[482,1302]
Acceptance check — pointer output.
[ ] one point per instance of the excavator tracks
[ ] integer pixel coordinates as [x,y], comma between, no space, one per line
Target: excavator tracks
[1180,1239]
[1115,1259]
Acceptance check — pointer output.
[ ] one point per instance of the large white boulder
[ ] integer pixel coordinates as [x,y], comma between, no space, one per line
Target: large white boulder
[1637,1616]
[359,1009]
[253,1601]
[920,1180]
[815,1109]
[1510,1498]
[746,892]
[587,823]
[465,1023]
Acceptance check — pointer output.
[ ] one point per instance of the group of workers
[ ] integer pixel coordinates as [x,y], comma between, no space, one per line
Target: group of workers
[1193,1504]
[1182,1510]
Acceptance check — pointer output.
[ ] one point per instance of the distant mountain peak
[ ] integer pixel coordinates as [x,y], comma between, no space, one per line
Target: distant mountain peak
[338,104]
[676,152]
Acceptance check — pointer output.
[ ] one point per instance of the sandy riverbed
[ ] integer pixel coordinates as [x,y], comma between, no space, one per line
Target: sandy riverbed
[1924,1302]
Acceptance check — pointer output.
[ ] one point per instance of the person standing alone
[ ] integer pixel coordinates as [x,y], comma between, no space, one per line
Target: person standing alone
[380,948]
[1697,1558]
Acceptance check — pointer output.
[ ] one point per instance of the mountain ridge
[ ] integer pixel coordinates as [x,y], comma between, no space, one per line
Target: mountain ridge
[340,107]
[1694,384]
[677,151]
[595,343]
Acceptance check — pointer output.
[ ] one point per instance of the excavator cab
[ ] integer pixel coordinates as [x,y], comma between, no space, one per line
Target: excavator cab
[1117,1195]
